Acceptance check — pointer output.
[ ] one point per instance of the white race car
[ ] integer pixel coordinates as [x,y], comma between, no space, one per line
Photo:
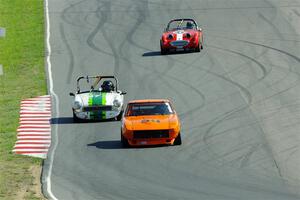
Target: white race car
[99,100]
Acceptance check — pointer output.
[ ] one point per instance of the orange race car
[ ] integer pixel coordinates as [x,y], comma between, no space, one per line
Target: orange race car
[150,122]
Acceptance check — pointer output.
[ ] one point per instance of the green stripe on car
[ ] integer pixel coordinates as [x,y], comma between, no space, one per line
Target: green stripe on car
[103,116]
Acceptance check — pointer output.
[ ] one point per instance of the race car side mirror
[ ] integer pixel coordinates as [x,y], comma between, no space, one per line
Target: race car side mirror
[122,93]
[71,94]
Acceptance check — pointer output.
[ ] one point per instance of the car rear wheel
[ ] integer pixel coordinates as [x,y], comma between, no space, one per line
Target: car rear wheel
[178,140]
[124,141]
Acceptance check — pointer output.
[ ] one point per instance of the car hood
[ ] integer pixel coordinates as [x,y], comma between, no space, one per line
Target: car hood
[150,122]
[179,33]
[98,98]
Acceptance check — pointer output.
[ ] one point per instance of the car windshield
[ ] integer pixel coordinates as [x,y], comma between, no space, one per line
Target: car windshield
[91,84]
[137,109]
[181,25]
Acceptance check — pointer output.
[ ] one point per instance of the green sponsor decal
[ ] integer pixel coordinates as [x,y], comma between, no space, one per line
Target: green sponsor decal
[103,116]
[96,99]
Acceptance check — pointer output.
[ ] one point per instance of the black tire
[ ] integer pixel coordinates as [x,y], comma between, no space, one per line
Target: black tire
[202,42]
[75,118]
[178,140]
[197,49]
[119,117]
[124,141]
[162,50]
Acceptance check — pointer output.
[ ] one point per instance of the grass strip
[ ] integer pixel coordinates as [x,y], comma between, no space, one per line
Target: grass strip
[22,53]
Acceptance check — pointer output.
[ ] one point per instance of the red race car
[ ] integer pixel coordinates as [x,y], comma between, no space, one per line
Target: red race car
[181,35]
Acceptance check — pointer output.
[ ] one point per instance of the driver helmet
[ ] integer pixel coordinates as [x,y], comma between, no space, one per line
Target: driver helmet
[107,86]
[189,25]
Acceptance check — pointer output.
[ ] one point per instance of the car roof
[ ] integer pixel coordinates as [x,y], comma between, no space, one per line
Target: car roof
[149,101]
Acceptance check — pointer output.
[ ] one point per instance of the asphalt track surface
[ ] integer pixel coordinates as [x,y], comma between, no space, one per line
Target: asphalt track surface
[238,100]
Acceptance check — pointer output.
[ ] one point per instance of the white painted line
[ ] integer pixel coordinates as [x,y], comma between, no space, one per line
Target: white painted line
[55,138]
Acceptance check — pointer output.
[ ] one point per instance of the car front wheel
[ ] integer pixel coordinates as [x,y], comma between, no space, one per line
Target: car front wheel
[119,117]
[124,141]
[178,140]
[75,118]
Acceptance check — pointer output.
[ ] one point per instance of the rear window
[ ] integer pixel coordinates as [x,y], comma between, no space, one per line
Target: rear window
[138,109]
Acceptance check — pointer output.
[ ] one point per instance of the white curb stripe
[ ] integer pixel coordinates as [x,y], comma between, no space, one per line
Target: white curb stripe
[33,115]
[35,126]
[33,133]
[34,112]
[30,150]
[31,145]
[34,122]
[25,141]
[33,129]
[35,119]
[34,137]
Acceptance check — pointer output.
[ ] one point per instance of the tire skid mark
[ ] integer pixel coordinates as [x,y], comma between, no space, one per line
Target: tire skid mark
[260,65]
[272,48]
[275,162]
[142,15]
[277,32]
[66,10]
[70,52]
[141,81]
[296,12]
[141,19]
[104,16]
[93,34]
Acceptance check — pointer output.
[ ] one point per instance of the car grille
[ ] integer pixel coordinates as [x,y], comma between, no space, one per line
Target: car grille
[150,134]
[179,43]
[97,108]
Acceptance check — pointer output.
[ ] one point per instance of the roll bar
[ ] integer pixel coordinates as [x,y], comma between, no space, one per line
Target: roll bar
[98,78]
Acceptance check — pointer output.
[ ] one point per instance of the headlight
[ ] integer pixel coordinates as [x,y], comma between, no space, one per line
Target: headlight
[170,37]
[77,105]
[116,103]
